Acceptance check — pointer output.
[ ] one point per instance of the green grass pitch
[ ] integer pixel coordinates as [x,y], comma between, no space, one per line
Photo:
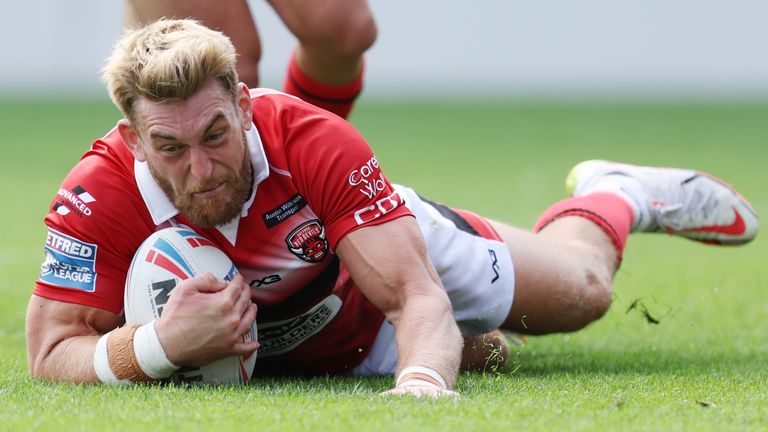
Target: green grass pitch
[704,366]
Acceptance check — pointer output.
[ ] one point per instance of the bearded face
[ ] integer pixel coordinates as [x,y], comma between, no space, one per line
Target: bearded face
[219,209]
[196,149]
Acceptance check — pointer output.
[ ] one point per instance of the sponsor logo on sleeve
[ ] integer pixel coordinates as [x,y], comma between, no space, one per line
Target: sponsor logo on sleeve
[285,210]
[283,336]
[74,201]
[308,241]
[69,262]
[368,178]
[379,208]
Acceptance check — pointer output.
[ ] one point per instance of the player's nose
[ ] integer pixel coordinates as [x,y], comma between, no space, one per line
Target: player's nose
[201,165]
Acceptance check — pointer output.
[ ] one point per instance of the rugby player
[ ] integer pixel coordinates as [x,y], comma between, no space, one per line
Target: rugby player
[381,280]
[325,69]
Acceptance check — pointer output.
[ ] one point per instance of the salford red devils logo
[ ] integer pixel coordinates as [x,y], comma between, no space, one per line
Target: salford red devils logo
[308,241]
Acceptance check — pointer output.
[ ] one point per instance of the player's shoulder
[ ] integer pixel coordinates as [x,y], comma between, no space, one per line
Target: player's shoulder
[100,196]
[263,94]
[103,176]
[266,102]
[273,107]
[291,129]
[108,158]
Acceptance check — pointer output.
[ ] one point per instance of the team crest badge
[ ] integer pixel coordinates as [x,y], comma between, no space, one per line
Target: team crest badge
[308,241]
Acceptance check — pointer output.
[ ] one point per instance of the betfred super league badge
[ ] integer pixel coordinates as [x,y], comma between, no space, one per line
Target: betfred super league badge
[69,262]
[308,241]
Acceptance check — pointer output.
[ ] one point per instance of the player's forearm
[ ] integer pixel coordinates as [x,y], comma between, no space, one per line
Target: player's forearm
[70,360]
[427,335]
[62,337]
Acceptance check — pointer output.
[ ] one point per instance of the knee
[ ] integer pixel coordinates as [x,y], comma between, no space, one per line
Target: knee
[346,35]
[248,71]
[594,300]
[485,352]
[360,35]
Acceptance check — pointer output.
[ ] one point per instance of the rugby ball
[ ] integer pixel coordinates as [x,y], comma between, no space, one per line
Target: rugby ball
[166,258]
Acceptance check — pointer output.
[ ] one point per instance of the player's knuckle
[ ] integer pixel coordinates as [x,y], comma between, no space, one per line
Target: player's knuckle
[228,303]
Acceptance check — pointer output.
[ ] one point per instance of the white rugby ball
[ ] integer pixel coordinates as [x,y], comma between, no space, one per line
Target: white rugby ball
[166,258]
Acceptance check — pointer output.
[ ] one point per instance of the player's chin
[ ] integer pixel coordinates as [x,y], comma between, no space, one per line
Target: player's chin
[210,216]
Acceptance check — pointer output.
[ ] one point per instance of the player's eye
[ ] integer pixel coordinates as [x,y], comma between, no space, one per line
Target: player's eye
[170,149]
[211,138]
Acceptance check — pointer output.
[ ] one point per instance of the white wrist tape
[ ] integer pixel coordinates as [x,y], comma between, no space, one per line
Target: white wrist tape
[150,353]
[101,363]
[138,355]
[421,370]
[416,382]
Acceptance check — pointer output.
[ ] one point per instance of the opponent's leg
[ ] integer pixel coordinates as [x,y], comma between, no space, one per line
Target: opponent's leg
[564,272]
[231,17]
[326,68]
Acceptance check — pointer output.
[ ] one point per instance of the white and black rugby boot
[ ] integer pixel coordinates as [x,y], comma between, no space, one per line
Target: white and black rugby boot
[682,202]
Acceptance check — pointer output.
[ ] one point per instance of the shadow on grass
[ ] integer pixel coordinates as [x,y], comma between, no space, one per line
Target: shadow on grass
[526,362]
[339,385]
[530,362]
[636,361]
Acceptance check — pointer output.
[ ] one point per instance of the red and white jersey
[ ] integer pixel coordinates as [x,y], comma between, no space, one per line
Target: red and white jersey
[316,180]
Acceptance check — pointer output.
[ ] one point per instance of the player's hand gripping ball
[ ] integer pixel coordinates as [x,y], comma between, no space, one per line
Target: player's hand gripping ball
[164,259]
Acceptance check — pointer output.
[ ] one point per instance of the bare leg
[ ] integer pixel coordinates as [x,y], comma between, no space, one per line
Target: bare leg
[563,275]
[484,352]
[333,35]
[565,271]
[232,17]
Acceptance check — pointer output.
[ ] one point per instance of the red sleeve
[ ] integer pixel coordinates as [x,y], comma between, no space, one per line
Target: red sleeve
[338,174]
[96,222]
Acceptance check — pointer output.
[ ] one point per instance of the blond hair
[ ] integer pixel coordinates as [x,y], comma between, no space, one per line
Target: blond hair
[168,60]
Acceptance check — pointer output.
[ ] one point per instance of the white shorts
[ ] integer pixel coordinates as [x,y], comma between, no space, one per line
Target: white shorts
[474,266]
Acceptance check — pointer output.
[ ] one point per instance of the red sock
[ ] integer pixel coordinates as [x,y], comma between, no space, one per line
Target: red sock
[336,99]
[606,210]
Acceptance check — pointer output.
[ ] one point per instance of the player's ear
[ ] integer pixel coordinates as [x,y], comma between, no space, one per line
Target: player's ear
[131,139]
[244,103]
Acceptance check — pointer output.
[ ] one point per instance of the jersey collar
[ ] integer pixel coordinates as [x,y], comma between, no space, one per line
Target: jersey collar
[162,209]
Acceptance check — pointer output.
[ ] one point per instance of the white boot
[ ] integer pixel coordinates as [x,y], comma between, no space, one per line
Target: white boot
[683,202]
